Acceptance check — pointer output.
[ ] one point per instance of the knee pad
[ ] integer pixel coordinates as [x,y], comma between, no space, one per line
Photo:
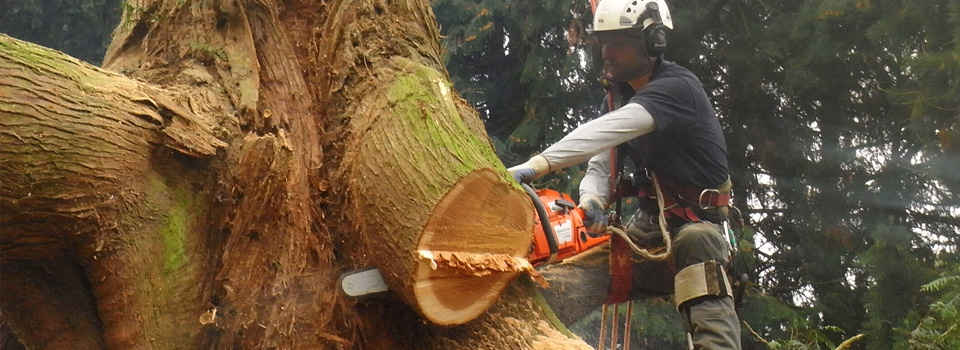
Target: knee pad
[701,280]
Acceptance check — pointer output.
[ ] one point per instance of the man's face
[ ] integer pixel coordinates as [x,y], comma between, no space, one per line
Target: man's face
[624,56]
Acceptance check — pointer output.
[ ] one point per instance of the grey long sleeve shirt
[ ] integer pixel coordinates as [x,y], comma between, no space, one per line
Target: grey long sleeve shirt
[593,140]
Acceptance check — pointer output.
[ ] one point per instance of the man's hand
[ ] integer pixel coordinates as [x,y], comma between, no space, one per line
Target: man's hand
[524,175]
[594,217]
[530,169]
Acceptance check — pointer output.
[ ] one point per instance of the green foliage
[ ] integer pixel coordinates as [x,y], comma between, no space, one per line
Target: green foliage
[655,325]
[803,339]
[80,28]
[777,325]
[939,328]
[520,65]
[842,120]
[898,270]
[932,92]
[820,145]
[940,284]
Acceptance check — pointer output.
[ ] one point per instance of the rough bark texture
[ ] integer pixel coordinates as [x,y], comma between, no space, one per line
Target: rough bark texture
[418,180]
[82,186]
[251,151]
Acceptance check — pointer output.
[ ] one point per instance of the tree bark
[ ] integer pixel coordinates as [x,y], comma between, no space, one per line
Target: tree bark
[83,174]
[251,151]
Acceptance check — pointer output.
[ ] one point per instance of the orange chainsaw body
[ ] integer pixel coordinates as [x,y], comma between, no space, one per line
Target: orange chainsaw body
[567,222]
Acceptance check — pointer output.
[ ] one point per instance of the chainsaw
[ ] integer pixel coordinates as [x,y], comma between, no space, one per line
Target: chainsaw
[558,234]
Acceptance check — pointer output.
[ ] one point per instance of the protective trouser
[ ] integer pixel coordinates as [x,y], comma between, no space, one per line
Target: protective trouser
[702,289]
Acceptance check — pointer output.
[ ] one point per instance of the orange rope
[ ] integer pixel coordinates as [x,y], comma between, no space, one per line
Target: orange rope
[626,326]
[613,332]
[603,328]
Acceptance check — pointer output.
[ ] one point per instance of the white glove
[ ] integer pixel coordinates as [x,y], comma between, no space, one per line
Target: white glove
[533,168]
[594,217]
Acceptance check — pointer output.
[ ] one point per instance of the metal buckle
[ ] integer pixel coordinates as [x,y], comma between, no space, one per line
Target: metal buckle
[709,202]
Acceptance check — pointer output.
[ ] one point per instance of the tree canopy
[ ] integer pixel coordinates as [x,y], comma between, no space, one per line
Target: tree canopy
[79,27]
[841,119]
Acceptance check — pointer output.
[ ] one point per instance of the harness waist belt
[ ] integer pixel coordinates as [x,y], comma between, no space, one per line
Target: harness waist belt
[685,202]
[707,198]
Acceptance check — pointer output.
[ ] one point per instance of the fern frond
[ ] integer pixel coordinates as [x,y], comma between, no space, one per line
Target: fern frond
[940,283]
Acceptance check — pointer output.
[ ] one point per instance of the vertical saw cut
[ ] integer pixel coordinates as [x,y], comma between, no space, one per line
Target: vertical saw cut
[445,288]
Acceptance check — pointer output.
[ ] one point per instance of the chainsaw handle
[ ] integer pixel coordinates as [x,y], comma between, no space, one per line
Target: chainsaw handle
[545,222]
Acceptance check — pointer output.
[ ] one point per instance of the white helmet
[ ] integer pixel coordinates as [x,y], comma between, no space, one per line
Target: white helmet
[624,14]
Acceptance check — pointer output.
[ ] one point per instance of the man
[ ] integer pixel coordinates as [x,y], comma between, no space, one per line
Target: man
[669,129]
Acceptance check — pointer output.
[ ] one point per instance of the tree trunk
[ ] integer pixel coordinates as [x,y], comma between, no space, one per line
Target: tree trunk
[251,151]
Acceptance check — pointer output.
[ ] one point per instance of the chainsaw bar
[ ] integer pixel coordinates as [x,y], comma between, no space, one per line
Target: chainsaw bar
[362,283]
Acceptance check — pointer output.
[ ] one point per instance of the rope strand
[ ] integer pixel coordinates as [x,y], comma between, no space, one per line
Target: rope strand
[643,252]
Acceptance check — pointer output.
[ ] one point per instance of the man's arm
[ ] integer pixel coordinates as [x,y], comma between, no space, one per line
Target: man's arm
[601,134]
[596,182]
[611,129]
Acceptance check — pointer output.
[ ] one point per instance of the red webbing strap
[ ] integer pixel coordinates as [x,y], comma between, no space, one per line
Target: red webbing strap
[611,106]
[621,271]
[684,212]
[701,198]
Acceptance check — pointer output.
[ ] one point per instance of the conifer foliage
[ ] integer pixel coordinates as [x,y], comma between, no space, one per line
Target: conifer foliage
[524,66]
[842,121]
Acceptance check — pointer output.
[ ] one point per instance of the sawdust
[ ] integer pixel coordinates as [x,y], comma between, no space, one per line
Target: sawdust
[544,336]
[483,264]
[552,339]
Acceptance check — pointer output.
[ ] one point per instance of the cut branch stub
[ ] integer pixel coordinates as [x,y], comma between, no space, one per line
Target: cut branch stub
[471,248]
[417,178]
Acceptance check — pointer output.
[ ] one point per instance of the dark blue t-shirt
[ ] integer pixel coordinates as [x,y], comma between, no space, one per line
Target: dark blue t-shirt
[688,146]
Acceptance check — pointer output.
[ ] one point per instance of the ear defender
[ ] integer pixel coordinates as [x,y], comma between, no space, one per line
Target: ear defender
[656,38]
[656,35]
